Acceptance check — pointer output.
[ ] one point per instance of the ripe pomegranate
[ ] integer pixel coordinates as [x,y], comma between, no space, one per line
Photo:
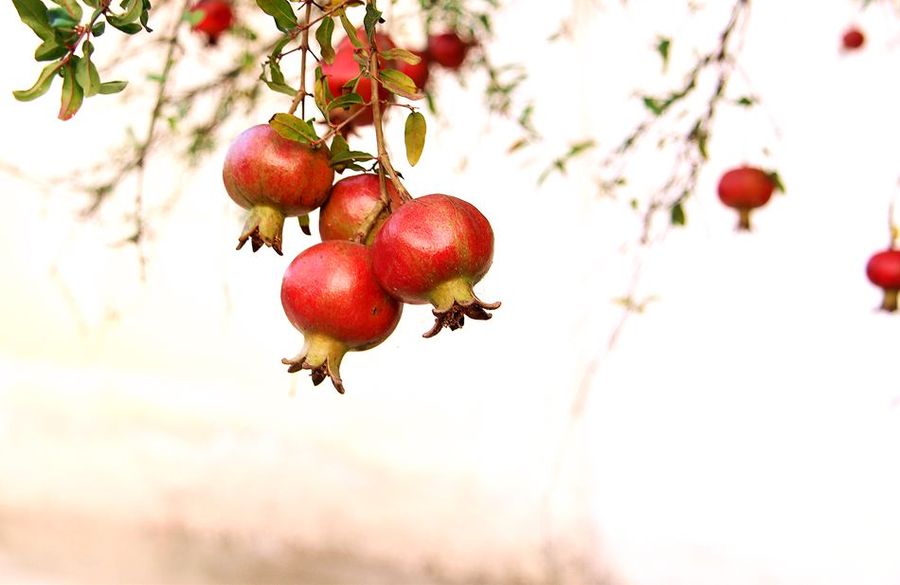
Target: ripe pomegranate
[434,249]
[418,72]
[218,16]
[349,207]
[274,178]
[344,68]
[330,294]
[745,188]
[853,39]
[448,50]
[883,270]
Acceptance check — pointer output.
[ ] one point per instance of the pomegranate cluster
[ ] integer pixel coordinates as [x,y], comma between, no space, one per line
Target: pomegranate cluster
[379,250]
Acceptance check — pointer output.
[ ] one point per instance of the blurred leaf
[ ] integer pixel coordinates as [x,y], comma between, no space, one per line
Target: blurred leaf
[99,28]
[323,37]
[72,8]
[677,214]
[745,101]
[293,128]
[304,224]
[281,11]
[399,83]
[414,135]
[662,47]
[133,9]
[72,94]
[776,180]
[372,17]
[41,86]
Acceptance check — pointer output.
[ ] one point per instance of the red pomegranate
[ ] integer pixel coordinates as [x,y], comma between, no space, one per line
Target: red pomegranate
[448,50]
[350,206]
[274,177]
[745,188]
[883,270]
[434,249]
[853,39]
[418,72]
[217,17]
[330,294]
[344,68]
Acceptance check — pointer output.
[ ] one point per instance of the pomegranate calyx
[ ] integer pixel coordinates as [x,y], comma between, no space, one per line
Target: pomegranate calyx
[453,301]
[322,356]
[263,226]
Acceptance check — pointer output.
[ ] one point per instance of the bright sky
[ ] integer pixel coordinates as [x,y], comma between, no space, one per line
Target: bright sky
[745,428]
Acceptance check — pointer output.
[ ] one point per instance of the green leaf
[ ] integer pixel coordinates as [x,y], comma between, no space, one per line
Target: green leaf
[60,20]
[397,54]
[345,101]
[128,29]
[34,14]
[281,11]
[351,31]
[414,135]
[133,9]
[111,87]
[293,128]
[677,214]
[72,8]
[49,50]
[745,101]
[399,83]
[323,37]
[662,47]
[342,158]
[72,94]
[654,105]
[86,73]
[145,15]
[351,156]
[372,17]
[41,86]
[776,180]
[99,28]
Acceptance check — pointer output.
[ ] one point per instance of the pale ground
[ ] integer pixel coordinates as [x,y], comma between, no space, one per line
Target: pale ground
[744,431]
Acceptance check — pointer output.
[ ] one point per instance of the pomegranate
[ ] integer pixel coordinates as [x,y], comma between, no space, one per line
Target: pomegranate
[274,177]
[217,17]
[344,68]
[350,206]
[434,249]
[883,270]
[418,72]
[745,188]
[330,294]
[853,39]
[448,50]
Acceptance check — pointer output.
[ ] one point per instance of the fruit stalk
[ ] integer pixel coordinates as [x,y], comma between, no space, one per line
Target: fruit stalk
[744,219]
[889,303]
[300,98]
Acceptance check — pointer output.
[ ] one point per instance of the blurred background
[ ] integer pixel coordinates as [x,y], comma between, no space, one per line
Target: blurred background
[740,426]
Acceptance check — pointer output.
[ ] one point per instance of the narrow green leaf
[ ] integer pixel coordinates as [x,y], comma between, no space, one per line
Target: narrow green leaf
[128,29]
[99,28]
[72,94]
[281,11]
[654,105]
[745,101]
[34,14]
[351,156]
[399,83]
[41,86]
[86,72]
[49,50]
[414,135]
[398,54]
[293,128]
[145,15]
[72,8]
[110,87]
[323,37]
[351,31]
